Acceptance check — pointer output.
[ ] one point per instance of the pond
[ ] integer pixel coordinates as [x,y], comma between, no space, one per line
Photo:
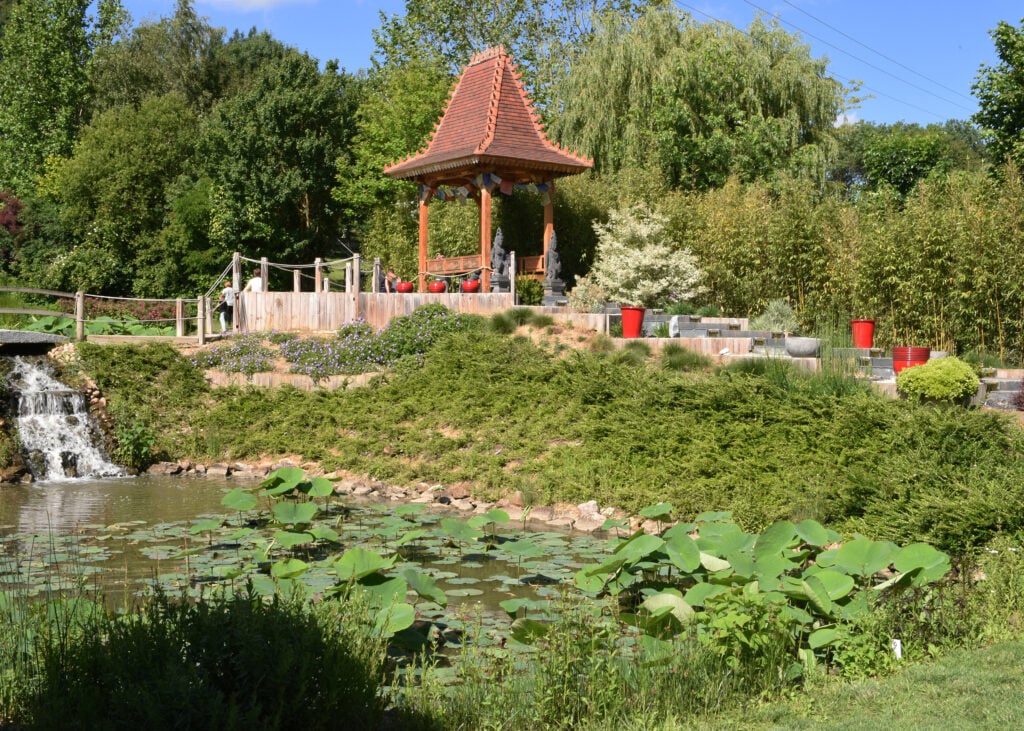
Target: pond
[124,536]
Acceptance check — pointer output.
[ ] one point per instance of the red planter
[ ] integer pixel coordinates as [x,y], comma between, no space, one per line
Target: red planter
[863,333]
[470,285]
[437,287]
[632,321]
[908,357]
[404,287]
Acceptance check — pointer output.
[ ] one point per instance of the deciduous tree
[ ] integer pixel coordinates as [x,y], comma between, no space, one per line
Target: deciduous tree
[1000,92]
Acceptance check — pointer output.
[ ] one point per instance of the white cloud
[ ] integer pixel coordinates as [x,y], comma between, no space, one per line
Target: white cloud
[847,118]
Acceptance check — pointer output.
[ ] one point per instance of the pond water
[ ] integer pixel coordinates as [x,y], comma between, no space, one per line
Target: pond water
[124,536]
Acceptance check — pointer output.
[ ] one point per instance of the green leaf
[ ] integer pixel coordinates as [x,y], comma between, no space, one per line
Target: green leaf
[411,535]
[863,557]
[383,590]
[933,564]
[204,526]
[526,631]
[638,546]
[661,511]
[460,530]
[284,476]
[295,513]
[592,584]
[522,548]
[320,487]
[713,563]
[239,499]
[287,539]
[288,569]
[837,585]
[668,602]
[700,593]
[395,618]
[324,533]
[822,637]
[682,552]
[777,538]
[356,563]
[425,586]
[812,533]
[817,594]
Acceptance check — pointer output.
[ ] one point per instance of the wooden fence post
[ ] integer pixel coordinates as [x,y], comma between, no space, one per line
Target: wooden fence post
[318,274]
[264,272]
[209,316]
[357,275]
[236,272]
[296,280]
[512,274]
[376,275]
[348,277]
[79,316]
[201,320]
[179,318]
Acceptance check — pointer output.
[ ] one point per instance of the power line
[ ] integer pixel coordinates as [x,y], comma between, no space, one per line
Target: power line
[879,53]
[866,88]
[858,58]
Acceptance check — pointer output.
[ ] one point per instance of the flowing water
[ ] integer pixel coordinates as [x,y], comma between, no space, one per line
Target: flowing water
[58,435]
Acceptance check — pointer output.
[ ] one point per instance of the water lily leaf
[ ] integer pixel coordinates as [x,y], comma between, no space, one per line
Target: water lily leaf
[240,500]
[320,487]
[425,586]
[661,511]
[356,563]
[495,515]
[395,618]
[778,537]
[682,551]
[464,592]
[591,584]
[933,564]
[812,533]
[863,557]
[822,637]
[384,590]
[527,631]
[522,548]
[287,539]
[288,568]
[611,524]
[409,509]
[713,517]
[295,513]
[638,546]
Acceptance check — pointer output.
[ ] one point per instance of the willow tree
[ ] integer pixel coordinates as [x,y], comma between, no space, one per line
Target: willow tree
[698,102]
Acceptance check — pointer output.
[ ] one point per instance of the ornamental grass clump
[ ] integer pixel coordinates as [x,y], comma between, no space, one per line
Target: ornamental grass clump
[638,264]
[944,380]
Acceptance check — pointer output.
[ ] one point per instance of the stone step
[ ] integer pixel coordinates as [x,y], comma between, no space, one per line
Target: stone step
[1002,384]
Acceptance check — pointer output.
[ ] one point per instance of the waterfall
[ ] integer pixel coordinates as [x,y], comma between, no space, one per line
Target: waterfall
[58,436]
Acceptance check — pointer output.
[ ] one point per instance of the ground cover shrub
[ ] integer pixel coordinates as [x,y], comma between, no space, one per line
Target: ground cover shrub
[677,358]
[948,380]
[246,355]
[236,664]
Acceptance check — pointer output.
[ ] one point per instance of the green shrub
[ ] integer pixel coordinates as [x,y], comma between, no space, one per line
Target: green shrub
[135,443]
[502,324]
[661,330]
[943,379]
[239,664]
[778,316]
[675,357]
[529,291]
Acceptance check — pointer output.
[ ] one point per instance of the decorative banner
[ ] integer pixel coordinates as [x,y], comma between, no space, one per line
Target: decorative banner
[507,187]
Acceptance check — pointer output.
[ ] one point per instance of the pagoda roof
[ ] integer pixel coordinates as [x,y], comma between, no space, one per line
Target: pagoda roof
[489,125]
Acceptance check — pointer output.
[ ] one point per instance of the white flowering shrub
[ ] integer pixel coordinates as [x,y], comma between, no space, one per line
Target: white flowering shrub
[587,296]
[636,262]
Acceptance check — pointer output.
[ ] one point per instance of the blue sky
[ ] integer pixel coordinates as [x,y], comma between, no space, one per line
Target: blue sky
[917,58]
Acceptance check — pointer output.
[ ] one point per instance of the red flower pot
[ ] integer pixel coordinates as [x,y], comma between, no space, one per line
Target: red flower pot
[632,321]
[863,333]
[404,287]
[470,285]
[908,357]
[437,287]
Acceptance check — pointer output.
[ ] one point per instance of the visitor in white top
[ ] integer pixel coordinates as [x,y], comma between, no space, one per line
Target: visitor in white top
[255,284]
[226,306]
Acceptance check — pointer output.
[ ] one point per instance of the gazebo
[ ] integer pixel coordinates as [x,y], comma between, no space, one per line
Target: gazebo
[489,139]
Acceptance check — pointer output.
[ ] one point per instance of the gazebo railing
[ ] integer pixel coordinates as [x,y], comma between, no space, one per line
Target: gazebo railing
[454,264]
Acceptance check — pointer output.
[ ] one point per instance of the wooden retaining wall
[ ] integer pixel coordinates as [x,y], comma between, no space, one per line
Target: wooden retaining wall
[327,311]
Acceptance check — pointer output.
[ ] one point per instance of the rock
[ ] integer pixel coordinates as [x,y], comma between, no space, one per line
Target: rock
[589,524]
[457,492]
[218,470]
[516,499]
[463,504]
[542,512]
[361,490]
[482,508]
[247,472]
[169,468]
[588,508]
[652,527]
[424,498]
[514,514]
[561,521]
[200,469]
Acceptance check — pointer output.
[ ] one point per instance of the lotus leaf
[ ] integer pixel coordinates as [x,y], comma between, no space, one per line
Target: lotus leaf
[395,618]
[425,586]
[768,569]
[526,631]
[742,564]
[821,637]
[410,536]
[682,551]
[713,517]
[522,548]
[668,602]
[776,539]
[460,530]
[661,511]
[288,568]
[713,563]
[204,526]
[409,509]
[814,533]
[295,513]
[356,563]
[287,539]
[283,476]
[837,585]
[240,500]
[638,546]
[592,584]
[700,593]
[863,557]
[817,594]
[932,563]
[320,487]
[324,533]
[384,591]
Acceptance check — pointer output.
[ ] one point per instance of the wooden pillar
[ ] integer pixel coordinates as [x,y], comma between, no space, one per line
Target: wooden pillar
[424,220]
[485,238]
[348,277]
[264,272]
[236,272]
[549,223]
[357,310]
[80,316]
[318,274]
[179,317]
[296,280]
[512,274]
[201,321]
[209,315]
[375,281]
